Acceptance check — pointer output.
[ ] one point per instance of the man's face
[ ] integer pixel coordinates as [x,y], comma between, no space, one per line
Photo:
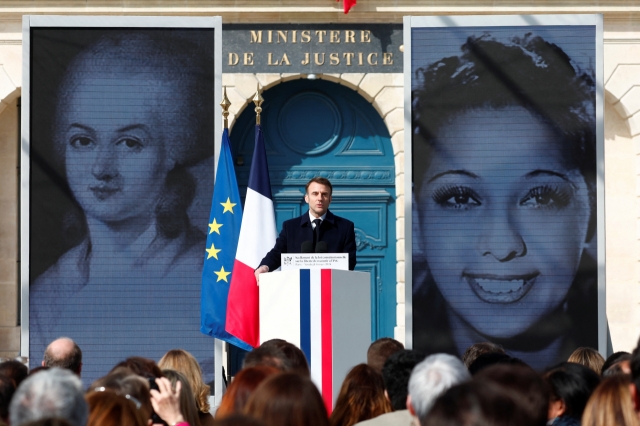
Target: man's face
[318,197]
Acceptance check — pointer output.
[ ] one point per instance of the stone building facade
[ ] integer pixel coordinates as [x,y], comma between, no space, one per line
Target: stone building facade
[385,92]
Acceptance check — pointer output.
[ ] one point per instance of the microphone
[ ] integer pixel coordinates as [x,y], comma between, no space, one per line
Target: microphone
[321,247]
[307,247]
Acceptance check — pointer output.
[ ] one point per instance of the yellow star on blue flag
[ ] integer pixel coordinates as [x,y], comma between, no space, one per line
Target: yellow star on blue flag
[228,206]
[222,274]
[215,227]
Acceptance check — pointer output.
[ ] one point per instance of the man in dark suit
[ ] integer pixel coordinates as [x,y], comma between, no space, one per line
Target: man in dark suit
[318,224]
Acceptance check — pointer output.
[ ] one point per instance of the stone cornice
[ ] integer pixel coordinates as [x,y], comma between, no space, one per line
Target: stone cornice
[372,11]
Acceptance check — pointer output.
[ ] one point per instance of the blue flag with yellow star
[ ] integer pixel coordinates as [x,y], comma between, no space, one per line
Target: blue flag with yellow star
[222,240]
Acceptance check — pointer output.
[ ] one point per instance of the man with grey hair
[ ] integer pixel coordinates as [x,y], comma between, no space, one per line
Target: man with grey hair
[52,393]
[432,377]
[64,353]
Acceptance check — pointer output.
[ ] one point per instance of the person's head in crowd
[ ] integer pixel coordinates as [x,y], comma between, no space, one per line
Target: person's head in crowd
[7,389]
[492,358]
[287,399]
[524,385]
[635,375]
[187,401]
[589,358]
[110,409]
[185,363]
[294,354]
[48,422]
[396,372]
[477,349]
[241,388]
[617,363]
[238,419]
[15,370]
[56,392]
[476,403]
[64,353]
[37,370]
[144,367]
[361,397]
[122,381]
[611,404]
[280,354]
[430,378]
[570,386]
[380,350]
[269,355]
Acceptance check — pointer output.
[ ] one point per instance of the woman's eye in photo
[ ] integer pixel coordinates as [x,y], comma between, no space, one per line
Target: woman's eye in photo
[132,144]
[547,197]
[81,142]
[456,197]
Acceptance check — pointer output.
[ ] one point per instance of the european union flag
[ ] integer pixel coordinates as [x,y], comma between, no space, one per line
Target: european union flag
[222,240]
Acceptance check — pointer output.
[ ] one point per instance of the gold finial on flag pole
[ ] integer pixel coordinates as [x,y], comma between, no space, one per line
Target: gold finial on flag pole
[225,104]
[258,100]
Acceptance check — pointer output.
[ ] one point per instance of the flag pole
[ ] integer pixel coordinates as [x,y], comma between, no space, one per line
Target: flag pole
[225,103]
[220,349]
[258,100]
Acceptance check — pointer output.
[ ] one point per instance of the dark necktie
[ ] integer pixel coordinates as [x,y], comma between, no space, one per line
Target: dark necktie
[316,231]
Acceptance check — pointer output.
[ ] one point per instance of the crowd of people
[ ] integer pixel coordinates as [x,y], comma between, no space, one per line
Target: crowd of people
[395,386]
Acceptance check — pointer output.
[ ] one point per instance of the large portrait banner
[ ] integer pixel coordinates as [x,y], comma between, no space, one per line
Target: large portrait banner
[505,235]
[119,124]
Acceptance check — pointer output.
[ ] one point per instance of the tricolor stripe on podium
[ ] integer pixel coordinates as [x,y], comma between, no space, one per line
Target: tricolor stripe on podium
[315,329]
[308,309]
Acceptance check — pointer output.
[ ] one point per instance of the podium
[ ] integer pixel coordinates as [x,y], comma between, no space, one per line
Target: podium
[326,313]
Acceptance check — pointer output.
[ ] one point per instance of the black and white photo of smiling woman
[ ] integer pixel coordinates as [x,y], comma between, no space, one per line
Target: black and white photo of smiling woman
[504,187]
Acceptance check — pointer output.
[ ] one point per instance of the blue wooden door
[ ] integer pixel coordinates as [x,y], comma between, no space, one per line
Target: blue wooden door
[319,128]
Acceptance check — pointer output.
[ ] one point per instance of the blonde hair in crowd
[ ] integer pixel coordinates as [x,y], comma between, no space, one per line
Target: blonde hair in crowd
[185,363]
[588,357]
[611,404]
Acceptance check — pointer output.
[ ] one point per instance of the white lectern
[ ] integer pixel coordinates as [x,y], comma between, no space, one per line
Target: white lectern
[326,313]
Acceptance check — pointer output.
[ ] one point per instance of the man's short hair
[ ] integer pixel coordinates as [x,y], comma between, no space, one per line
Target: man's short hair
[380,350]
[493,358]
[431,378]
[613,360]
[71,360]
[268,354]
[477,403]
[524,385]
[477,349]
[321,181]
[396,372]
[55,392]
[297,360]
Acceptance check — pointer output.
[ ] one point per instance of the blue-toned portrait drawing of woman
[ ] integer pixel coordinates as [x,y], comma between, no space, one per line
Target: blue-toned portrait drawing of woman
[504,187]
[133,115]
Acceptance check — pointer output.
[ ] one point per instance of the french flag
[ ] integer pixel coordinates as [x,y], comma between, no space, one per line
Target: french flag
[257,237]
